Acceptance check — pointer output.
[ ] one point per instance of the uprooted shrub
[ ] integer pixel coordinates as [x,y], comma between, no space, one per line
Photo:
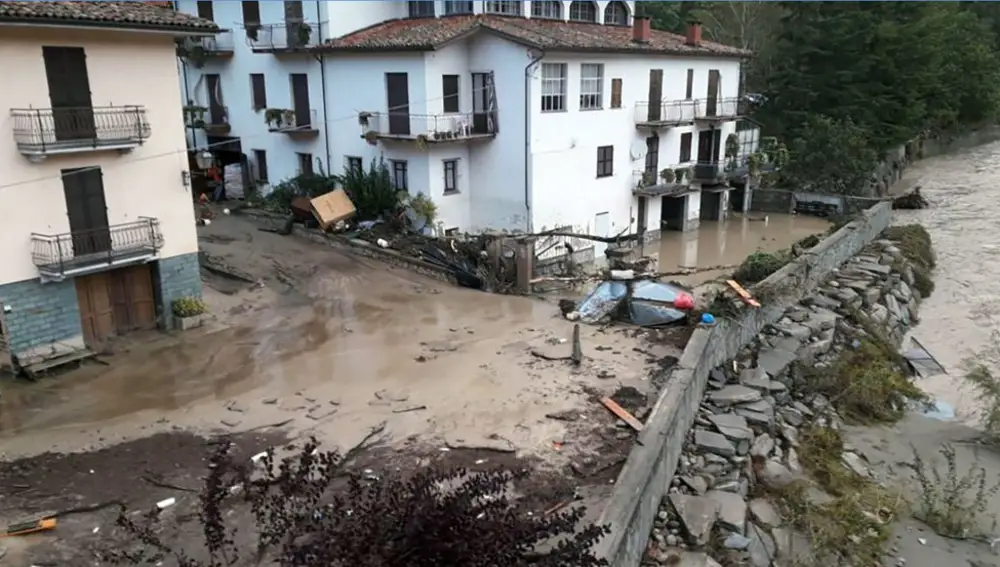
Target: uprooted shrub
[759,265]
[307,510]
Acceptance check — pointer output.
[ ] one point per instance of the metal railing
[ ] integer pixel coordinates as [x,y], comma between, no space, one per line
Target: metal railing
[288,35]
[56,255]
[721,108]
[665,112]
[217,115]
[293,121]
[436,127]
[707,171]
[45,130]
[221,42]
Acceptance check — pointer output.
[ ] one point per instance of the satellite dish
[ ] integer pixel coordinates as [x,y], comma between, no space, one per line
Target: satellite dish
[637,151]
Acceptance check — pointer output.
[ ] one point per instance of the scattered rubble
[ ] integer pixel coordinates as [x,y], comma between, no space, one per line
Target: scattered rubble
[765,478]
[912,200]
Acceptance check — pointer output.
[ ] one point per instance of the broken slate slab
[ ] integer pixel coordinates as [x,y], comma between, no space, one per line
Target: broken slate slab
[714,443]
[732,510]
[775,360]
[731,425]
[762,548]
[697,515]
[696,483]
[734,394]
[764,513]
[762,446]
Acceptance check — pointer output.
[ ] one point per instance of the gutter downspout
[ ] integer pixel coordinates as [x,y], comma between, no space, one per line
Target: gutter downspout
[187,100]
[322,77]
[529,222]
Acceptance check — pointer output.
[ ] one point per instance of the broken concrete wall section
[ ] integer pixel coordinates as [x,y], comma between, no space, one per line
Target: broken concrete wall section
[651,465]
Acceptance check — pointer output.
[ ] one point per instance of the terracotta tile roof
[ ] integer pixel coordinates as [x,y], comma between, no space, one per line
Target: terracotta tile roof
[432,33]
[129,15]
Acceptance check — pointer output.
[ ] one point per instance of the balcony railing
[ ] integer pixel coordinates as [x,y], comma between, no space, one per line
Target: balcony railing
[431,127]
[665,112]
[292,121]
[88,251]
[722,108]
[198,48]
[46,131]
[673,180]
[289,36]
[708,172]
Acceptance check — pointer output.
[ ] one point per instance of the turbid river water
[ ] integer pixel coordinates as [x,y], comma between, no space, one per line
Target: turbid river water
[960,319]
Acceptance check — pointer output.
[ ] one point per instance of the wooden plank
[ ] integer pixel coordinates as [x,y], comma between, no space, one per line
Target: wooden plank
[743,293]
[622,414]
[29,527]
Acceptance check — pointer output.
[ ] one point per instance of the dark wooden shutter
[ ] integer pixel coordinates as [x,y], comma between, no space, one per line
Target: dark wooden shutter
[616,93]
[69,93]
[689,90]
[655,94]
[87,210]
[251,13]
[685,148]
[259,91]
[449,88]
[206,10]
[300,99]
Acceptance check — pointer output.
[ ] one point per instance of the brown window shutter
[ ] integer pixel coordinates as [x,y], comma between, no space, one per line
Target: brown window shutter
[616,93]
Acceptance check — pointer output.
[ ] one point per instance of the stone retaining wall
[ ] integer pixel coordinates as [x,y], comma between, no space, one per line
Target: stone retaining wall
[353,245]
[650,467]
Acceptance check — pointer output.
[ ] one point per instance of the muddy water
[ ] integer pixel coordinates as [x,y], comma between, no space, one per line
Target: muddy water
[959,317]
[728,243]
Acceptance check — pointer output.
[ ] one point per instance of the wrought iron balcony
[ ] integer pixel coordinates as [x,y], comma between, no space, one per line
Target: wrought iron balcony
[39,132]
[749,147]
[670,181]
[87,251]
[653,114]
[721,109]
[293,122]
[281,38]
[429,128]
[198,49]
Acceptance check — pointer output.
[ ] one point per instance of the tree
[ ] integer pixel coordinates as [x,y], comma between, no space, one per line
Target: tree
[303,515]
[830,156]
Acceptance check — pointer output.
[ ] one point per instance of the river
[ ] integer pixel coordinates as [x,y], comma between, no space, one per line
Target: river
[961,319]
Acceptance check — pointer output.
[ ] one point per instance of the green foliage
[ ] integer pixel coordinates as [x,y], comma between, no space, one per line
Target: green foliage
[279,200]
[831,156]
[987,388]
[371,190]
[953,505]
[914,242]
[188,307]
[424,207]
[759,265]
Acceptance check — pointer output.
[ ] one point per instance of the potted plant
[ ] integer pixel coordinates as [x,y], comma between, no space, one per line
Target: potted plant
[189,312]
[424,207]
[648,178]
[732,146]
[668,176]
[422,141]
[371,137]
[274,117]
[683,175]
[195,115]
[303,33]
[754,163]
[436,135]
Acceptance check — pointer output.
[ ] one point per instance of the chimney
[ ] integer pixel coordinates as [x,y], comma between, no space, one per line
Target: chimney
[694,34]
[641,29]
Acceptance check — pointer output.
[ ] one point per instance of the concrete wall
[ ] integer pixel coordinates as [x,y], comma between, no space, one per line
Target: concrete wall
[176,277]
[650,466]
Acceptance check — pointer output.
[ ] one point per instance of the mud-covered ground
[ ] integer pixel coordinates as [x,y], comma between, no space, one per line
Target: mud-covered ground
[307,340]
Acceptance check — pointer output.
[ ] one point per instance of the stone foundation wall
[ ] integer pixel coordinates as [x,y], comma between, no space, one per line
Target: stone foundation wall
[43,319]
[649,469]
[176,277]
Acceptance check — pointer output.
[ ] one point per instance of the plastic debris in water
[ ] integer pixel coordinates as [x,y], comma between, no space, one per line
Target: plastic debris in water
[707,319]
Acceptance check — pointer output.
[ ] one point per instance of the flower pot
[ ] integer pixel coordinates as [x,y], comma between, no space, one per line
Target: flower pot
[187,323]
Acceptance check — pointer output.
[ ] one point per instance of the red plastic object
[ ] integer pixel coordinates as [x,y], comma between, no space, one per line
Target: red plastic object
[684,302]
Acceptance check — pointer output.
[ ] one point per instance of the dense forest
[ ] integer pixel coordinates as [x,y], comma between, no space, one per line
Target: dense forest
[845,81]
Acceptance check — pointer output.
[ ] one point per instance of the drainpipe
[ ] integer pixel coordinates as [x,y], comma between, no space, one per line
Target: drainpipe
[527,138]
[187,98]
[322,77]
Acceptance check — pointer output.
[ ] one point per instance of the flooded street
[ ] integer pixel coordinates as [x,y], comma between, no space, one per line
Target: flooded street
[959,317]
[729,243]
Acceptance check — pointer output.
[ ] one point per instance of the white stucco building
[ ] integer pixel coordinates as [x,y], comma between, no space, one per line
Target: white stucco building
[99,228]
[509,115]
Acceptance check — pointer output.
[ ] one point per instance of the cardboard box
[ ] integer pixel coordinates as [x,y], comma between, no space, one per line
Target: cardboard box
[331,208]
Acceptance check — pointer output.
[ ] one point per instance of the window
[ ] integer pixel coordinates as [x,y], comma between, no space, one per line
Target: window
[399,177]
[258,93]
[450,176]
[591,86]
[685,148]
[583,11]
[206,10]
[305,164]
[616,93]
[421,9]
[616,14]
[457,7]
[260,158]
[553,87]
[689,90]
[354,164]
[449,87]
[251,12]
[506,7]
[605,161]
[547,9]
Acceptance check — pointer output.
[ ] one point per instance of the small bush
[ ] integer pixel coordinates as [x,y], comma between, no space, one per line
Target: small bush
[188,307]
[371,190]
[952,505]
[279,200]
[759,265]
[914,242]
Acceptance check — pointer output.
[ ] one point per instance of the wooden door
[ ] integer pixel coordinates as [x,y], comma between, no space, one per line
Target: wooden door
[397,95]
[655,95]
[131,292]
[300,99]
[206,10]
[294,20]
[83,190]
[640,223]
[216,108]
[96,312]
[69,93]
[712,102]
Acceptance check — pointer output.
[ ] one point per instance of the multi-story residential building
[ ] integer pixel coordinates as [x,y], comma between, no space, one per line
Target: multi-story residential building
[99,234]
[508,114]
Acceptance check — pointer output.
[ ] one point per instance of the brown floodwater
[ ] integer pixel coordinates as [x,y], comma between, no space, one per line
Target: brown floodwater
[961,319]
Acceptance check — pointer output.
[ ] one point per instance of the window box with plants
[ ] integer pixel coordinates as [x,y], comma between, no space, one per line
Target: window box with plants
[194,116]
[189,312]
[278,119]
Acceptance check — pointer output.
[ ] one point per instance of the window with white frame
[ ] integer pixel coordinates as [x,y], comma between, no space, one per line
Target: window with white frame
[553,87]
[452,7]
[616,14]
[505,7]
[547,9]
[583,11]
[400,175]
[591,86]
[450,176]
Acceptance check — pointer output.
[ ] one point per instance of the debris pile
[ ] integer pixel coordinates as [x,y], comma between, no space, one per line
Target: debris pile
[912,200]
